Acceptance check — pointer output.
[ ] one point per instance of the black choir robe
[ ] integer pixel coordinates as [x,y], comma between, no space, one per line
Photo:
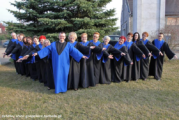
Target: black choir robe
[86,67]
[118,63]
[144,63]
[24,65]
[74,73]
[12,44]
[97,61]
[133,51]
[105,71]
[156,64]
[31,63]
[17,50]
[136,68]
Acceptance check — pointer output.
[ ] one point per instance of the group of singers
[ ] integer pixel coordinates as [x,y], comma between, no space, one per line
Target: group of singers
[62,65]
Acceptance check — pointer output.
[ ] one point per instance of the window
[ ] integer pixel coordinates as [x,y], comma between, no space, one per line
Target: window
[0,30]
[172,21]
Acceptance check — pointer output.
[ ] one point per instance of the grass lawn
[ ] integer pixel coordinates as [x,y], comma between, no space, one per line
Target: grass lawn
[141,100]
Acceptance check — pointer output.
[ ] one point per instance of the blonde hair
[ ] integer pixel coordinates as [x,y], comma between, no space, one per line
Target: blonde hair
[107,38]
[84,34]
[72,34]
[46,40]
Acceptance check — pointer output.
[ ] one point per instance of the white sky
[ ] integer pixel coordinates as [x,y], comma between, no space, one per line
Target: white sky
[7,16]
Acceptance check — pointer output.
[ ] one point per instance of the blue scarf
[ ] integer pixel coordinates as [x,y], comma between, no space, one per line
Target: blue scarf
[104,59]
[85,44]
[118,46]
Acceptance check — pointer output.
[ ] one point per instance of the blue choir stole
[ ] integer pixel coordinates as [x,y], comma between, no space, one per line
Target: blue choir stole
[85,44]
[104,58]
[73,44]
[118,46]
[13,56]
[158,44]
[96,44]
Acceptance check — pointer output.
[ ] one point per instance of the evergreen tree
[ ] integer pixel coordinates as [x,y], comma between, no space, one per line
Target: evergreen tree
[49,17]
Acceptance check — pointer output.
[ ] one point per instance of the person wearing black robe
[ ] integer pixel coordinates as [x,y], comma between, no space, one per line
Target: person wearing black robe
[31,60]
[10,47]
[105,71]
[86,65]
[133,51]
[136,60]
[144,63]
[119,61]
[156,64]
[17,50]
[24,66]
[74,73]
[48,68]
[60,52]
[96,57]
[39,63]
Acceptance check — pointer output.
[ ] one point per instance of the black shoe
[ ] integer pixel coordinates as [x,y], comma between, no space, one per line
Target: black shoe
[158,79]
[144,79]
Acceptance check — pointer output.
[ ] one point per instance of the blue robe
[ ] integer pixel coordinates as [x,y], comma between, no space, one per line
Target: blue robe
[60,63]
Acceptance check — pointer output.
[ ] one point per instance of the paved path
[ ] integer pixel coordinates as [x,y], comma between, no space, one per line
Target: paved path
[3,60]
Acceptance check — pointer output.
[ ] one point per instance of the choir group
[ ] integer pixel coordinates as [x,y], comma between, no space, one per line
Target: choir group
[62,65]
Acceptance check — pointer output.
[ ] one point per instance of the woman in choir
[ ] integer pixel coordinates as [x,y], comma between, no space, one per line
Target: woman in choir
[97,57]
[144,63]
[105,71]
[74,73]
[31,62]
[156,64]
[48,68]
[133,50]
[86,65]
[119,63]
[136,60]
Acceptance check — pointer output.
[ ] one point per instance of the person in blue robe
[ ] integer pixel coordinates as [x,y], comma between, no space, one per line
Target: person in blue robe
[60,52]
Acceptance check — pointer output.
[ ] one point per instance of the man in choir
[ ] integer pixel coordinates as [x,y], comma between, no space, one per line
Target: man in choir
[10,47]
[156,64]
[61,52]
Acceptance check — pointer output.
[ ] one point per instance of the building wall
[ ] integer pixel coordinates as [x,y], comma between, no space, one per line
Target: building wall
[148,15]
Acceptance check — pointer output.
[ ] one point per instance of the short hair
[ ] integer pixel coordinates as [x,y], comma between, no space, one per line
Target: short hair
[107,37]
[62,33]
[21,34]
[72,34]
[130,34]
[29,38]
[84,34]
[123,37]
[13,33]
[35,37]
[97,33]
[46,40]
[161,33]
[146,33]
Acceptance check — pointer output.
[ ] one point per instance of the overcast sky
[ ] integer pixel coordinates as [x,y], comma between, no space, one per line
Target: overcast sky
[6,16]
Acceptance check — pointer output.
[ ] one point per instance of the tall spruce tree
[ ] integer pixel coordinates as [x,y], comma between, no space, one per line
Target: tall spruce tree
[49,17]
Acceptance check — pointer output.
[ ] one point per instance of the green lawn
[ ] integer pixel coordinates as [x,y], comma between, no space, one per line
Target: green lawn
[141,100]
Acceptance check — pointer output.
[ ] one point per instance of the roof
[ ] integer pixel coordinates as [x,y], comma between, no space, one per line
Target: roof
[172,7]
